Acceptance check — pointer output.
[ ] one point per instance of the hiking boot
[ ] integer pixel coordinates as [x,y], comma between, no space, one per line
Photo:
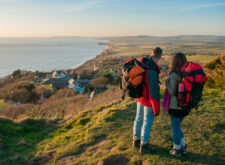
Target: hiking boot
[176,152]
[146,149]
[136,143]
[184,149]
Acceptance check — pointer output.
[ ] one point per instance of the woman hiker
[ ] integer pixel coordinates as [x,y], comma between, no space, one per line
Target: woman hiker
[176,114]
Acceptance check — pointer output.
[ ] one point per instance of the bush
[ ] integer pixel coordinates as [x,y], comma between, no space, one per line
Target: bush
[109,77]
[215,72]
[28,87]
[39,74]
[16,73]
[42,91]
[214,64]
[99,82]
[21,92]
[86,74]
[64,93]
[19,95]
[118,80]
[15,112]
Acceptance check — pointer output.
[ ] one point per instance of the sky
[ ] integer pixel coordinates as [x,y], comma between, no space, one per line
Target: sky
[97,18]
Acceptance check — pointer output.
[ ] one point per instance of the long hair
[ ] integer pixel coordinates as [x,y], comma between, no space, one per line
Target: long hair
[178,61]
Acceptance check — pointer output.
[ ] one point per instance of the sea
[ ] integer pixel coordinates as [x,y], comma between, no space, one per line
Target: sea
[46,54]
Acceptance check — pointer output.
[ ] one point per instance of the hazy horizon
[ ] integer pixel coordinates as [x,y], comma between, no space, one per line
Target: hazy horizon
[108,36]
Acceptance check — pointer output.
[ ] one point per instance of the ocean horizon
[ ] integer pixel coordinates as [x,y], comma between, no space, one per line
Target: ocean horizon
[46,54]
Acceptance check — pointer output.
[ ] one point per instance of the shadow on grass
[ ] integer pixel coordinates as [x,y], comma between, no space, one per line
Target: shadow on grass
[18,141]
[127,116]
[219,127]
[189,157]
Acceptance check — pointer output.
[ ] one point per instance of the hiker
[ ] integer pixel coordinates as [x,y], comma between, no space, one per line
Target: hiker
[176,114]
[148,106]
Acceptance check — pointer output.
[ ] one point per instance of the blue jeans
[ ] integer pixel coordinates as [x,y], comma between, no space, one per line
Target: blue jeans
[143,123]
[177,132]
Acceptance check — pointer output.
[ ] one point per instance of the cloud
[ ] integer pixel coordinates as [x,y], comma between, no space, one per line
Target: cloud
[201,6]
[81,6]
[65,8]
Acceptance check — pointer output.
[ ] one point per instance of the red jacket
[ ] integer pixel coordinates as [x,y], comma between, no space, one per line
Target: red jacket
[150,93]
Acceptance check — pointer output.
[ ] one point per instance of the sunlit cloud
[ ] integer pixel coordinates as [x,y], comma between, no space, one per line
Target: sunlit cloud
[202,6]
[73,7]
[81,6]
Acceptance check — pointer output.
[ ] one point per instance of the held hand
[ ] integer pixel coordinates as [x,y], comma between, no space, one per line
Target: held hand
[155,114]
[168,75]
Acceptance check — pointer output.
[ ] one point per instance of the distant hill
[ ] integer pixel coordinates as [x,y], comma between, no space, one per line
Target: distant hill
[191,38]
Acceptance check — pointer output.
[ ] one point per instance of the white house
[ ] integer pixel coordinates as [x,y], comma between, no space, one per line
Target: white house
[59,74]
[71,83]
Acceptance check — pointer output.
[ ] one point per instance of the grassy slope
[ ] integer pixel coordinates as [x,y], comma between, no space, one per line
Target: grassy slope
[3,105]
[201,58]
[18,141]
[107,131]
[99,134]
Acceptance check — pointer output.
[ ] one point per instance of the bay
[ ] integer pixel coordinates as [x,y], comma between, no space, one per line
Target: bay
[46,54]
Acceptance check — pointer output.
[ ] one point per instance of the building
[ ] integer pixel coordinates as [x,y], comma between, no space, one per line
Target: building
[59,74]
[71,83]
[57,83]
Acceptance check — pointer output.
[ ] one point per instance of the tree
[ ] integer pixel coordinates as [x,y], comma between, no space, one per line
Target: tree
[16,73]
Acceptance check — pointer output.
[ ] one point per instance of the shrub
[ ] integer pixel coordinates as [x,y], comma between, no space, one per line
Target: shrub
[20,92]
[99,82]
[212,65]
[15,112]
[215,72]
[42,91]
[39,74]
[28,87]
[59,106]
[20,95]
[63,93]
[16,73]
[109,77]
[118,80]
[86,74]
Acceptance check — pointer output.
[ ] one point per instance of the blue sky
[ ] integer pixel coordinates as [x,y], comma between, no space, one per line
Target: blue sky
[43,18]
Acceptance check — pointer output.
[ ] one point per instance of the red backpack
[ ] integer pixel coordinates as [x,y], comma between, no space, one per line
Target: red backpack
[191,87]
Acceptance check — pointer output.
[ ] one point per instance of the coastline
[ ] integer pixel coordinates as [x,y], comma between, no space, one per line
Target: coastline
[100,42]
[89,64]
[89,60]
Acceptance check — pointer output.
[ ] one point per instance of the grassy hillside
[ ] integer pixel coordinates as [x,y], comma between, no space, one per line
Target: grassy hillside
[104,135]
[201,58]
[71,129]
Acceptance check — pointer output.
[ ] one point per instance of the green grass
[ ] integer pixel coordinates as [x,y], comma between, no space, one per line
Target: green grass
[201,58]
[18,141]
[3,105]
[106,132]
[129,51]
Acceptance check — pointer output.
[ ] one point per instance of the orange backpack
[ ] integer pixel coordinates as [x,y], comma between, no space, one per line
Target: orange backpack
[133,78]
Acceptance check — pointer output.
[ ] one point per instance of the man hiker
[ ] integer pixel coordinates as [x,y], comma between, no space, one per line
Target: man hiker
[148,106]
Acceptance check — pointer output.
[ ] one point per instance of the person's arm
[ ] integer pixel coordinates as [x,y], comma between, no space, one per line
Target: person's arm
[172,85]
[154,95]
